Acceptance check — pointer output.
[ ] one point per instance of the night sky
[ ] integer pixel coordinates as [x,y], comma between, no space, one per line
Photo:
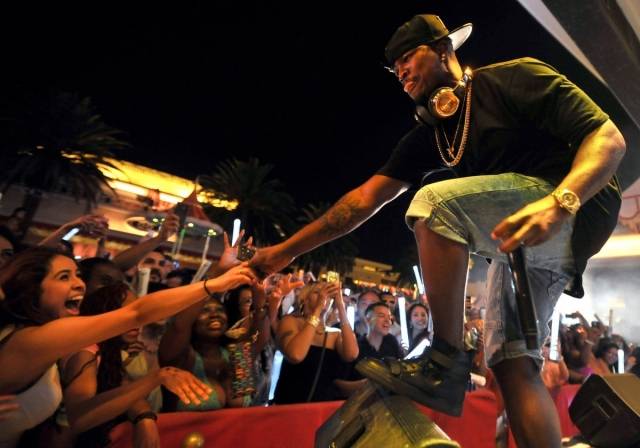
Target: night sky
[296,84]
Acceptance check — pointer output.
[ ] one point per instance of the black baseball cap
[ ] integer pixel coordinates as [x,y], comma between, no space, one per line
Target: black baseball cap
[423,29]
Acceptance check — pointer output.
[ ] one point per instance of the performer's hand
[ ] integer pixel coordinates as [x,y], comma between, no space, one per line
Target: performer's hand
[531,225]
[229,257]
[270,259]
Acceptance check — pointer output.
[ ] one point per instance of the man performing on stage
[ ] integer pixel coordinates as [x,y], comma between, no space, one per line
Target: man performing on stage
[532,162]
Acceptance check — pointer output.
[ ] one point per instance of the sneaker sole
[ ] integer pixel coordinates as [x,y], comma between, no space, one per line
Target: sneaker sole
[385,379]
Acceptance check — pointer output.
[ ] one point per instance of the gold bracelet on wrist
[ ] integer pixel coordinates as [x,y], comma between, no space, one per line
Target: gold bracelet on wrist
[314,321]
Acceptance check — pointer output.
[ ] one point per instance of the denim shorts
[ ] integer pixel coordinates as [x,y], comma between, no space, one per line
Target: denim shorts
[466,210]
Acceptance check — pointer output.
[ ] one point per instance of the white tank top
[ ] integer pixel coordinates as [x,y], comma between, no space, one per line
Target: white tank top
[36,404]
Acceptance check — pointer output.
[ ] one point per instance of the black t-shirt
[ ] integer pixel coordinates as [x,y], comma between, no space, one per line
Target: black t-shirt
[525,118]
[389,348]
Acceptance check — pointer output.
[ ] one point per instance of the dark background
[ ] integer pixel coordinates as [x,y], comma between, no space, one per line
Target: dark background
[297,84]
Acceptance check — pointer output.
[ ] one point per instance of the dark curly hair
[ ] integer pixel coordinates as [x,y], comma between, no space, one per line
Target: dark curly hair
[111,371]
[21,282]
[603,346]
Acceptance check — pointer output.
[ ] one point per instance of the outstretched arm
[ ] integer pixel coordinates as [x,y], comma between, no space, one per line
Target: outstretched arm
[87,408]
[127,259]
[32,350]
[94,225]
[348,213]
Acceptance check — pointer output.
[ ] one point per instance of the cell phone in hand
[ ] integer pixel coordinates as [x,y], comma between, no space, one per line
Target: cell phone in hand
[333,277]
[245,253]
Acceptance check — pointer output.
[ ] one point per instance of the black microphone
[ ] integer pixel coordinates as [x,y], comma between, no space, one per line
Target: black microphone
[524,301]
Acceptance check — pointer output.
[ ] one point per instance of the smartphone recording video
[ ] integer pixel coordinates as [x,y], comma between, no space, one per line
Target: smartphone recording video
[333,277]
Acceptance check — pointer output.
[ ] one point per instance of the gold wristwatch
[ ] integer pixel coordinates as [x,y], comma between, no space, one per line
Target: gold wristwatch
[567,199]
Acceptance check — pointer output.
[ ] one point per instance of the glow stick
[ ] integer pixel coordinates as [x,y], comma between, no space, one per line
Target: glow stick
[206,248]
[326,314]
[351,315]
[418,279]
[143,281]
[418,349]
[555,329]
[275,373]
[202,269]
[478,380]
[180,240]
[236,231]
[620,360]
[70,233]
[404,332]
[177,243]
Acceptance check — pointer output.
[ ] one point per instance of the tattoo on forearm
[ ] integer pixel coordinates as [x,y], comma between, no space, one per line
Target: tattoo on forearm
[342,216]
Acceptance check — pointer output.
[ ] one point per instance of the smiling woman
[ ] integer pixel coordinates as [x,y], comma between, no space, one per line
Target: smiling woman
[195,341]
[42,288]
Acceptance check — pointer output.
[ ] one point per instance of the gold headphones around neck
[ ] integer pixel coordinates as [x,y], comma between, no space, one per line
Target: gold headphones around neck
[443,102]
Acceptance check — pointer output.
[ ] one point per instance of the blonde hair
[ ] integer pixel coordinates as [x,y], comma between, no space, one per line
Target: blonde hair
[303,294]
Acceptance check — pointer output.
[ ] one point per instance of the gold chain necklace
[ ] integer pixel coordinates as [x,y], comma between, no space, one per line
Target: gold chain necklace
[456,155]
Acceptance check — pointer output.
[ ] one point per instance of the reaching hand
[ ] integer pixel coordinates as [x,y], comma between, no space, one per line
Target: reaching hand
[234,277]
[169,226]
[229,257]
[186,386]
[270,259]
[326,291]
[93,225]
[531,225]
[285,285]
[339,298]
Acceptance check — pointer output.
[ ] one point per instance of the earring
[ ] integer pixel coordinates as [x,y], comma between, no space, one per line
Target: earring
[442,58]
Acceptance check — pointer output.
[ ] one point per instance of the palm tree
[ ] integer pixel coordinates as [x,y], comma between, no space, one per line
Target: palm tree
[56,144]
[338,255]
[264,208]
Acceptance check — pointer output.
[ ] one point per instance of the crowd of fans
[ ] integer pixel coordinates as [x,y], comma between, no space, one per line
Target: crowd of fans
[87,344]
